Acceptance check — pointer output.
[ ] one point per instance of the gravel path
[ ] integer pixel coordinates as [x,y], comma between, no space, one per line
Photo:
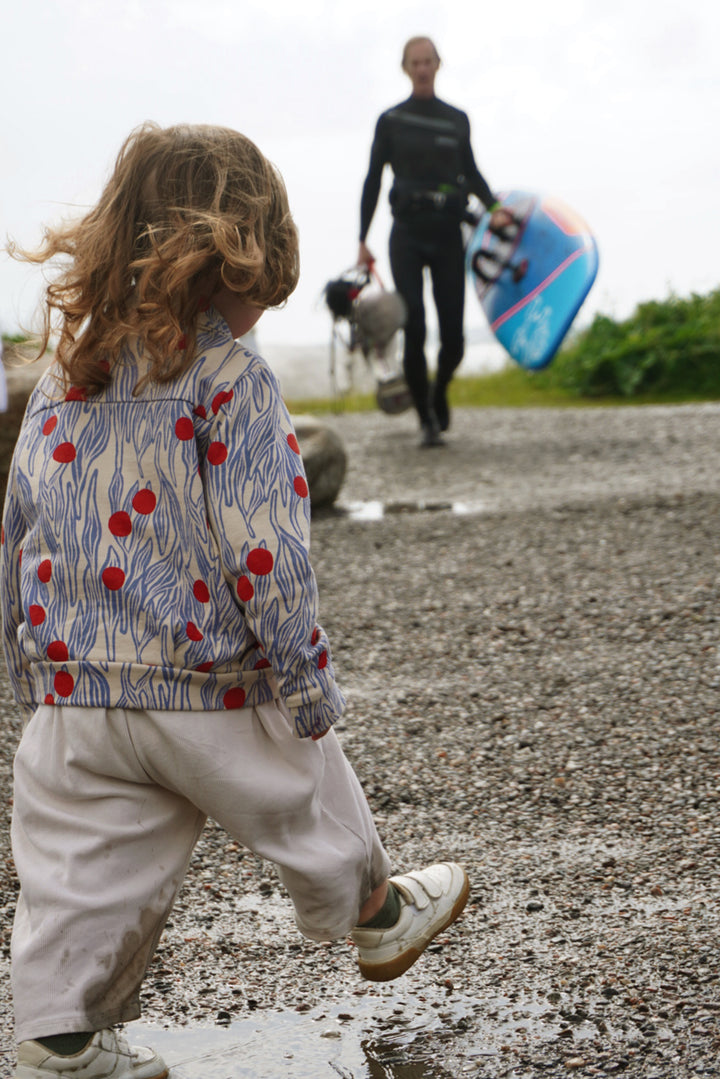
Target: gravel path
[525,623]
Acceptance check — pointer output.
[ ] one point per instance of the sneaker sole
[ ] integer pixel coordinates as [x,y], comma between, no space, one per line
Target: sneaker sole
[27,1072]
[393,968]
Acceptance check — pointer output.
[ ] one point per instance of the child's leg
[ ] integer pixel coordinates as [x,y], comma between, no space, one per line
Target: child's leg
[101,851]
[299,804]
[337,863]
[296,802]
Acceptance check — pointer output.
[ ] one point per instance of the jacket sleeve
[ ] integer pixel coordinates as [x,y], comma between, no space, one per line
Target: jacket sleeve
[12,536]
[259,512]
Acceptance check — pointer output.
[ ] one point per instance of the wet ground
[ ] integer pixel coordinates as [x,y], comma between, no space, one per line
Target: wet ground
[525,624]
[400,1038]
[403,1039]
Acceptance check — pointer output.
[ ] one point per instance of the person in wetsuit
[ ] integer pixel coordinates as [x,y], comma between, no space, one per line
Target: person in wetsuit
[426,142]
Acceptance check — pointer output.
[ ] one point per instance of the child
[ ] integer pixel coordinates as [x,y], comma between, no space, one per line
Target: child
[160,611]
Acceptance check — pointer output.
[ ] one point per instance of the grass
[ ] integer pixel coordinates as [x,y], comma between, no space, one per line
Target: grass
[666,353]
[510,388]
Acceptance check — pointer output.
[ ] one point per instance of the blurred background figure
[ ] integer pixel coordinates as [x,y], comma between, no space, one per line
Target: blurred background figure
[426,142]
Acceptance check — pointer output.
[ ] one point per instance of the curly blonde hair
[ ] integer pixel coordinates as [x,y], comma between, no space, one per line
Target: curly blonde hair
[187,209]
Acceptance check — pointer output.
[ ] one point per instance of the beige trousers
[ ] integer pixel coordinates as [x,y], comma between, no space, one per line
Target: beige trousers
[108,807]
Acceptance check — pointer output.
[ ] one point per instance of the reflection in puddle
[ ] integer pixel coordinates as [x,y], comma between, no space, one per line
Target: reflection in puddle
[362,1038]
[376,510]
[364,1043]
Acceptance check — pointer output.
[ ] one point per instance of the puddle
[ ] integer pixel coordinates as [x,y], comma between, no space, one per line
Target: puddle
[386,1038]
[376,510]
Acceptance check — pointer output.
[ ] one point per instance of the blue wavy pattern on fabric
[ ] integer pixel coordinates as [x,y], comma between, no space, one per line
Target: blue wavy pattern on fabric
[161,534]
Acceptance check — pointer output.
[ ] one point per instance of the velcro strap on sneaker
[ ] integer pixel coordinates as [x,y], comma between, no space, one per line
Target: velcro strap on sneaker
[416,889]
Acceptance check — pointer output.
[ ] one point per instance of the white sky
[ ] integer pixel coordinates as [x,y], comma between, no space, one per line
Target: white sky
[612,106]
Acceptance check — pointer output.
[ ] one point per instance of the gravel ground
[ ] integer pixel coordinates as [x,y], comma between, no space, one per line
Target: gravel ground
[525,623]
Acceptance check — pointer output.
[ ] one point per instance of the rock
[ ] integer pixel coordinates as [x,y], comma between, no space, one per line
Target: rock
[324,458]
[20,376]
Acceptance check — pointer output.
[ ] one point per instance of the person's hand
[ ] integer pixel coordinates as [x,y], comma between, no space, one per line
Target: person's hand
[501,218]
[365,255]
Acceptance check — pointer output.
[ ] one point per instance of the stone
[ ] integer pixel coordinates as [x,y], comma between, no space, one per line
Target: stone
[324,458]
[20,378]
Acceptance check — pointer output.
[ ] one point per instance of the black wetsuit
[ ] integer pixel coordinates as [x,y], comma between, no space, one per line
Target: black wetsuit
[426,142]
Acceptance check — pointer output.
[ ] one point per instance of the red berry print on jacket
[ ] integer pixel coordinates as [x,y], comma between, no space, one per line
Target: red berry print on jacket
[221,399]
[36,614]
[64,453]
[144,501]
[120,524]
[113,578]
[63,683]
[184,429]
[260,561]
[234,698]
[57,651]
[301,487]
[245,589]
[201,592]
[217,453]
[45,570]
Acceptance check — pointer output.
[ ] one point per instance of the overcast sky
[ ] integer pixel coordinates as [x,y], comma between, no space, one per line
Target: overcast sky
[611,106]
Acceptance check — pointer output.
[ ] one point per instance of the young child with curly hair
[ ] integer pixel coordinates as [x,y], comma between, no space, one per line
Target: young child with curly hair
[160,612]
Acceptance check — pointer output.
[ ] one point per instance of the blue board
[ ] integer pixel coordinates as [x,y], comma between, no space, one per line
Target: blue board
[532,278]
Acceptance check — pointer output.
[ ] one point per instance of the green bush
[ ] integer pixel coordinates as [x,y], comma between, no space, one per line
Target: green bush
[670,347]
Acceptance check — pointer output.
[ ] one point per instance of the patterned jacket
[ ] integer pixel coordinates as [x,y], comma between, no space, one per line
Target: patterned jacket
[155,549]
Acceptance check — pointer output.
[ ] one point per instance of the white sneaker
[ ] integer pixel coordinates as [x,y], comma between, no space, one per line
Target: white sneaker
[107,1056]
[430,901]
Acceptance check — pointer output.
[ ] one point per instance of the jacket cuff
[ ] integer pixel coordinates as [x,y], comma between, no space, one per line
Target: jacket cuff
[316,717]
